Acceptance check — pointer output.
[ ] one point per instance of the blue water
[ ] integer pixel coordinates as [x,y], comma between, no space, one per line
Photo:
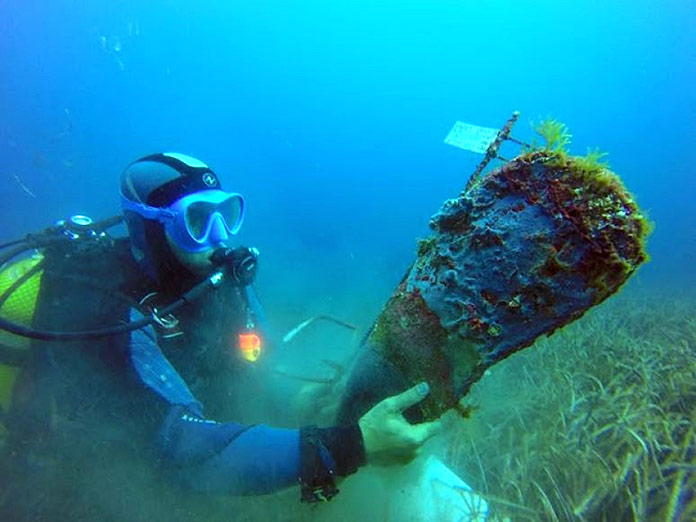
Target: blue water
[330,116]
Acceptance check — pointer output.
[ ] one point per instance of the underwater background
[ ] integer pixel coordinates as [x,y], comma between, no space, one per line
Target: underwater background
[329,117]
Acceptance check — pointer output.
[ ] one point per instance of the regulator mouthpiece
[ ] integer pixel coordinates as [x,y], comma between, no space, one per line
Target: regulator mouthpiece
[241,262]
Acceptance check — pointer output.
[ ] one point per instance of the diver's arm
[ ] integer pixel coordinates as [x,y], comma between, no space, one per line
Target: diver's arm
[244,460]
[228,458]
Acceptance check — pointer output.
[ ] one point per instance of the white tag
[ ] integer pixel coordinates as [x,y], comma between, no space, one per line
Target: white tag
[471,137]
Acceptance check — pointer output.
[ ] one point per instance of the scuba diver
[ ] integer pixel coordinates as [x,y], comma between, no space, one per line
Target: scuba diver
[140,353]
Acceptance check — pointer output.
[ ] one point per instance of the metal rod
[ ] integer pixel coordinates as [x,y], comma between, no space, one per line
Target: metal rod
[492,151]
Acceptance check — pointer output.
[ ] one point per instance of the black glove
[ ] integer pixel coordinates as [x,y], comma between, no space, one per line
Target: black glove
[241,262]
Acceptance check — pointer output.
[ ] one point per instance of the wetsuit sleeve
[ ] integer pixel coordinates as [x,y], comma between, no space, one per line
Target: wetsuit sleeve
[233,459]
[228,458]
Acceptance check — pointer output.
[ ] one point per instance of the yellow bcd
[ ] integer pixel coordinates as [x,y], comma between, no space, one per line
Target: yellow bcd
[18,308]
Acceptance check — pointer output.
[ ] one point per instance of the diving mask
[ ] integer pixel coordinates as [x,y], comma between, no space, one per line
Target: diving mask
[198,221]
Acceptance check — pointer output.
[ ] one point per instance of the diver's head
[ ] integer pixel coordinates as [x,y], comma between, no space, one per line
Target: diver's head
[177,214]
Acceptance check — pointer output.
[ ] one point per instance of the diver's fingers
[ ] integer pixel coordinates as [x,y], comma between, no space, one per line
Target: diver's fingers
[400,402]
[426,430]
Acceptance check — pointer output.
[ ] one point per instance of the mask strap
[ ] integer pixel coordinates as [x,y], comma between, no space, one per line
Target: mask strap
[154,213]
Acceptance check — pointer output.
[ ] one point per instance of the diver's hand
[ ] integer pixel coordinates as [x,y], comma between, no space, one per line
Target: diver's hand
[388,438]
